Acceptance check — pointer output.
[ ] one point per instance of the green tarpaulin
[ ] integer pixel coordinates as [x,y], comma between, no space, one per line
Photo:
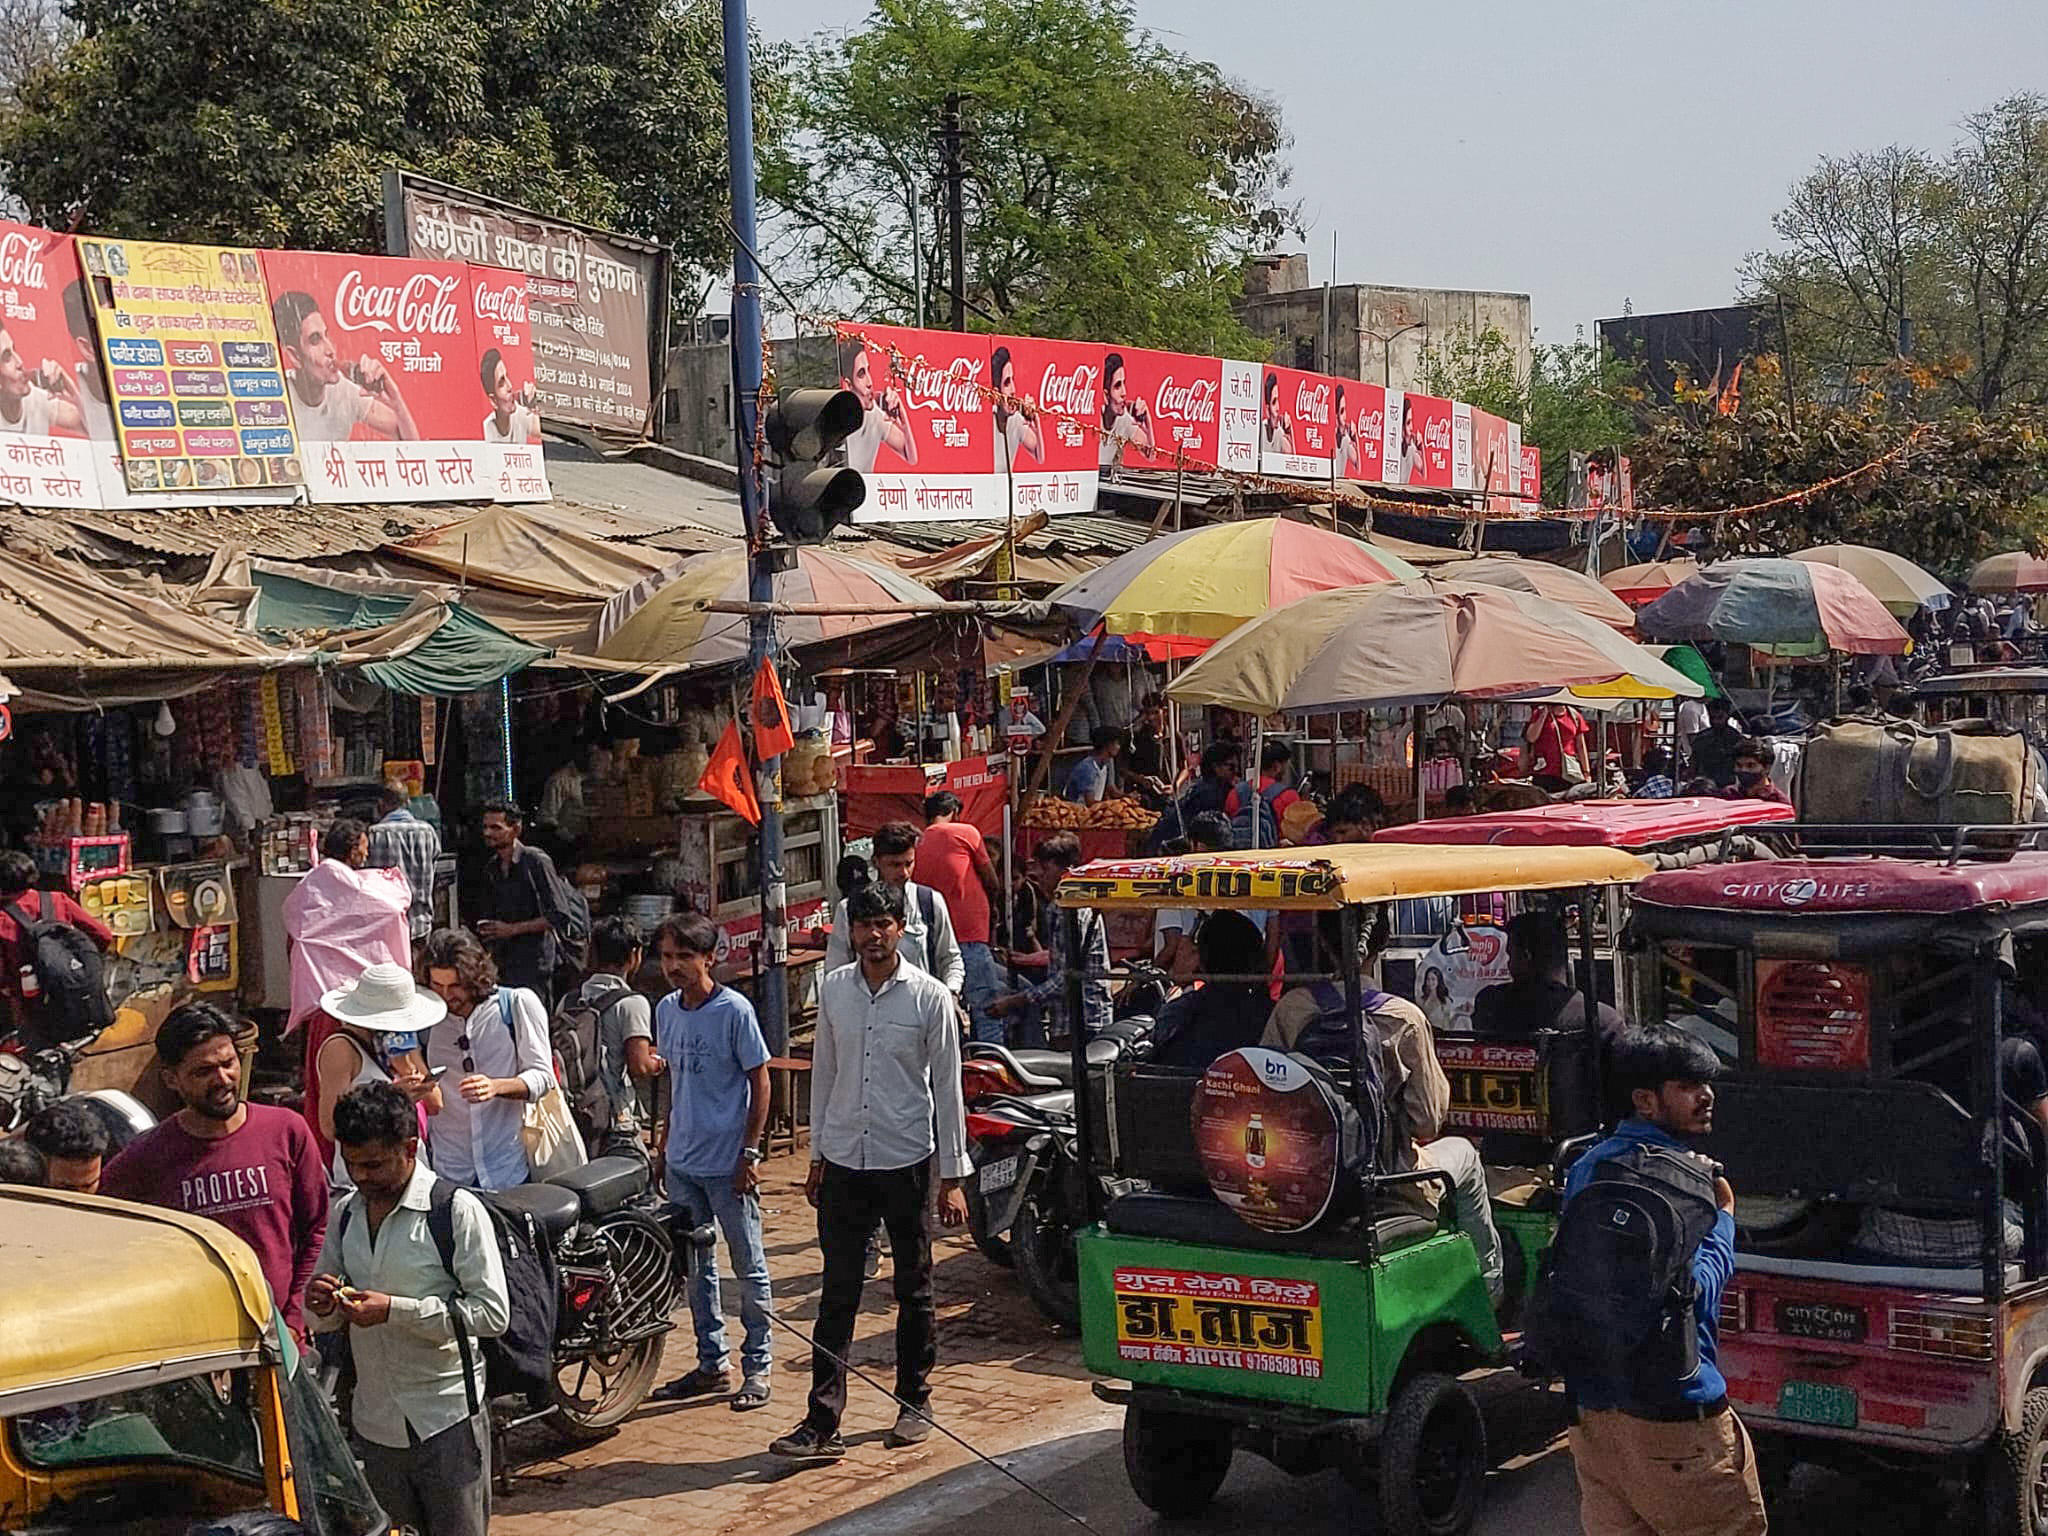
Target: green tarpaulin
[409,644]
[1683,658]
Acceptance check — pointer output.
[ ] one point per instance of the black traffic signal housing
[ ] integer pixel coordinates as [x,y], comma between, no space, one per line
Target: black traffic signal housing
[807,497]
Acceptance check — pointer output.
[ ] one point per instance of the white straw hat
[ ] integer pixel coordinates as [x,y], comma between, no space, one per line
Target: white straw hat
[385,998]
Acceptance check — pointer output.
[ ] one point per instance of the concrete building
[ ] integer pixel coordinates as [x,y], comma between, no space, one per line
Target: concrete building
[1374,331]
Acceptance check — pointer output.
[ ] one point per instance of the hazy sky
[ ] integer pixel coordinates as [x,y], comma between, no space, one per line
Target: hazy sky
[1585,152]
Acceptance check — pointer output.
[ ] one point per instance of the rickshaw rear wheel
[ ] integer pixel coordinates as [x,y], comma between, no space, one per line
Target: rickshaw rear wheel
[2012,1476]
[1175,1461]
[1432,1459]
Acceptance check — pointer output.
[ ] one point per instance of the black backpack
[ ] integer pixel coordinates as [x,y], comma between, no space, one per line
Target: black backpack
[1614,1300]
[576,1033]
[521,1359]
[1327,1042]
[69,971]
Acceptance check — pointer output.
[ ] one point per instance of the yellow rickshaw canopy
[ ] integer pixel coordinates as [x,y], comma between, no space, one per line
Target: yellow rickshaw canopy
[99,1290]
[1313,879]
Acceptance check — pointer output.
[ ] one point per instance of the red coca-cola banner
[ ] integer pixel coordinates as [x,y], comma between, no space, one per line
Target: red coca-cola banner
[1297,422]
[927,441]
[1532,473]
[1049,393]
[1164,408]
[53,396]
[397,391]
[1361,433]
[1419,447]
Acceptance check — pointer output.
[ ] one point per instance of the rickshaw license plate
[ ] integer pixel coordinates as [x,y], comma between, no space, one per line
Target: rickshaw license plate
[999,1175]
[1815,1402]
[1242,1323]
[1823,1320]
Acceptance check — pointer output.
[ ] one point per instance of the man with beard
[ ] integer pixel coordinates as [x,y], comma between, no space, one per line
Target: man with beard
[35,404]
[513,418]
[251,1167]
[1017,428]
[1124,420]
[885,420]
[327,404]
[1276,432]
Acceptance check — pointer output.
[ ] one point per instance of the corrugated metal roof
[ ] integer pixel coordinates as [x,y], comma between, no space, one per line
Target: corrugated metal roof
[623,500]
[280,533]
[1074,533]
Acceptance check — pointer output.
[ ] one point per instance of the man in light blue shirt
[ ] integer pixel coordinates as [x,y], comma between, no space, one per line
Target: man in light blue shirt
[717,1061]
[1092,779]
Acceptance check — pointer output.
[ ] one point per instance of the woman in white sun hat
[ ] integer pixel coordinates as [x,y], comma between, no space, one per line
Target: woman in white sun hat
[380,1016]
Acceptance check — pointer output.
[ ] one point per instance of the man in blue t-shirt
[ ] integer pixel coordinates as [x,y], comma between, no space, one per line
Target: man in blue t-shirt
[711,1146]
[1679,1461]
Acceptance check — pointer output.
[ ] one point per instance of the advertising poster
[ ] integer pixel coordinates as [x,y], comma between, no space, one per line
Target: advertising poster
[1532,474]
[1266,1133]
[192,367]
[1450,975]
[927,442]
[53,401]
[1049,393]
[596,300]
[1297,423]
[382,368]
[1495,459]
[508,390]
[1237,427]
[1161,408]
[1396,460]
[1428,450]
[1361,431]
[1464,476]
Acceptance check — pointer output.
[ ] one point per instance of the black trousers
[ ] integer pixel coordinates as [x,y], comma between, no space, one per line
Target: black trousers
[850,1203]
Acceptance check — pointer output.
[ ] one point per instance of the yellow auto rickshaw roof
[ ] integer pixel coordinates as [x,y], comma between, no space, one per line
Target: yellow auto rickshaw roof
[1341,874]
[93,1288]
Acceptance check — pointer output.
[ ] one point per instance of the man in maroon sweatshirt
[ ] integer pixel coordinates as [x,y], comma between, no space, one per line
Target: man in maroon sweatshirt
[250,1167]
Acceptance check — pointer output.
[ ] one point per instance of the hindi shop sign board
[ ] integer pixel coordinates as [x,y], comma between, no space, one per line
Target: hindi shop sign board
[401,387]
[927,439]
[597,302]
[1048,398]
[193,374]
[1161,409]
[53,405]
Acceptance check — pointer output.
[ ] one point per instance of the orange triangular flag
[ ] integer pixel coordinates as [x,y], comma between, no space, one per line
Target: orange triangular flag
[727,778]
[772,736]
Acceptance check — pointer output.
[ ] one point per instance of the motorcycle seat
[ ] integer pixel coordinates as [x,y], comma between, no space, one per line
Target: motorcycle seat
[604,1184]
[1047,1069]
[554,1209]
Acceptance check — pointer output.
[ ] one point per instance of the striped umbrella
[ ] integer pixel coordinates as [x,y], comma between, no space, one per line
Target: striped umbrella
[1787,605]
[660,619]
[1202,583]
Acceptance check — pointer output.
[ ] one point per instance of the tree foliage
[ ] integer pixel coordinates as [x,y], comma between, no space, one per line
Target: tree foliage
[270,122]
[1571,400]
[1114,186]
[1939,262]
[1969,485]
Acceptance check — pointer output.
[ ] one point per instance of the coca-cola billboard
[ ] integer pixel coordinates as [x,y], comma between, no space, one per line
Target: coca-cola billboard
[52,390]
[384,363]
[927,440]
[1420,441]
[1160,409]
[1361,431]
[1047,409]
[1532,474]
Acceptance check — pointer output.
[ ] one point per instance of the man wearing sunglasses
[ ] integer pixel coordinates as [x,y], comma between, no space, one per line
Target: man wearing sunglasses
[494,1044]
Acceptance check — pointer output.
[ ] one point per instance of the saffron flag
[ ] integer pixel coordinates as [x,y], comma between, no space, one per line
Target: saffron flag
[772,735]
[726,776]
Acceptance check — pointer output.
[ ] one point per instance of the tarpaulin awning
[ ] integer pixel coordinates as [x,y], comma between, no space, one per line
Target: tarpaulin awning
[417,644]
[524,550]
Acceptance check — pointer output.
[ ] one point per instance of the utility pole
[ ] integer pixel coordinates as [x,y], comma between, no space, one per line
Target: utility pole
[950,142]
[746,364]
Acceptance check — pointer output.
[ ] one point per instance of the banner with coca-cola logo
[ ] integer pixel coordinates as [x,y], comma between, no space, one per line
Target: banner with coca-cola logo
[1297,423]
[1047,395]
[1420,441]
[1361,431]
[1532,474]
[927,439]
[1160,409]
[385,365]
[51,389]
[508,374]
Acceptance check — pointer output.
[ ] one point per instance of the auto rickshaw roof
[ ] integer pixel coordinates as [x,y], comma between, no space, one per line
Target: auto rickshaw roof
[1317,878]
[92,1289]
[1594,823]
[1990,680]
[1848,886]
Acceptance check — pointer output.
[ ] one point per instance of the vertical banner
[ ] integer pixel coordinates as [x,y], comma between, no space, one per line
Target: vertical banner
[1361,430]
[1048,400]
[1237,428]
[597,301]
[192,367]
[1395,458]
[1463,471]
[927,441]
[1297,423]
[1532,474]
[53,397]
[507,377]
[1427,446]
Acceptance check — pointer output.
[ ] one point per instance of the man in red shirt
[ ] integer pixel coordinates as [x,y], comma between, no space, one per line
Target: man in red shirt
[1556,734]
[953,860]
[18,889]
[251,1167]
[1753,776]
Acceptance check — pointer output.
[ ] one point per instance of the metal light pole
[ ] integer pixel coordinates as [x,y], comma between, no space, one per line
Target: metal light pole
[746,360]
[1387,348]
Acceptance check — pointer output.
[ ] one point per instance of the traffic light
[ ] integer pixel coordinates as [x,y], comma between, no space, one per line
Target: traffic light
[807,498]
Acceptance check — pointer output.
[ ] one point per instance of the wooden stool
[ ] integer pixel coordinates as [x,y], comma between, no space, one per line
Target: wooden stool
[783,1120]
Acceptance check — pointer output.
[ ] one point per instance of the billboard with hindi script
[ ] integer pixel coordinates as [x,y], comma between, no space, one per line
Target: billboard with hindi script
[1162,409]
[927,439]
[51,389]
[597,301]
[1048,396]
[397,391]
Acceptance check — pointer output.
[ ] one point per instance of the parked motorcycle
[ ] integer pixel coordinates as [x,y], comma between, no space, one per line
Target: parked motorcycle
[999,1130]
[617,1267]
[33,1079]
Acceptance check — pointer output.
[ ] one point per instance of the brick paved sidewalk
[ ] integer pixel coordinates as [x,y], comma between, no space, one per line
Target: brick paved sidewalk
[1006,1379]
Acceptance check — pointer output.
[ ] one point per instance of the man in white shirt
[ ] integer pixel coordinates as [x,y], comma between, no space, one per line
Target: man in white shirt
[1017,428]
[493,1047]
[513,418]
[928,941]
[887,419]
[28,406]
[415,1322]
[328,404]
[885,1095]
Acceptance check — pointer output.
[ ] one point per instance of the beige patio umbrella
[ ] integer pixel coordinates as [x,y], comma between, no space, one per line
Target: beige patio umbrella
[2015,571]
[1903,587]
[1417,642]
[1561,584]
[1645,583]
